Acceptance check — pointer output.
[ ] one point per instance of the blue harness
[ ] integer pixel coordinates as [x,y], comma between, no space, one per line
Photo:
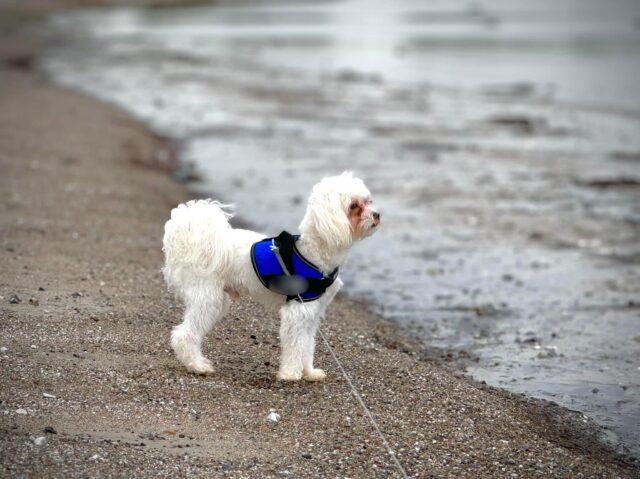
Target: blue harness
[282,269]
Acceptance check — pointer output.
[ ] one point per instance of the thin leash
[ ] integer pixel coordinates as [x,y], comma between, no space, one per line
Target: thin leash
[276,250]
[364,407]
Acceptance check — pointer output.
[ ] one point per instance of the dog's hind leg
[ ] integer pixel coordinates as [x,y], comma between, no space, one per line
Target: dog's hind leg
[205,304]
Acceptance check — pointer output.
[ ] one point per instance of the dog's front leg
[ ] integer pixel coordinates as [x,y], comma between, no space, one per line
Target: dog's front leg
[308,371]
[298,325]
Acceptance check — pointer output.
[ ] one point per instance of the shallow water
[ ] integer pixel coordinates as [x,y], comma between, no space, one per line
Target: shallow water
[502,145]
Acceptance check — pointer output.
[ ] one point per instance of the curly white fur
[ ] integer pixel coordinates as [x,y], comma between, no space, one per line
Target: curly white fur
[207,262]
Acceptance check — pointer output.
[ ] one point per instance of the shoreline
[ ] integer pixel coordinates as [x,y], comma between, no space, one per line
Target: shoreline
[465,414]
[518,263]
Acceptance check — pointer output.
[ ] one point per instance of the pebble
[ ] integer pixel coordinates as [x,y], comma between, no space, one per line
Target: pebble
[3,350]
[40,441]
[22,412]
[14,299]
[273,416]
[50,430]
[48,396]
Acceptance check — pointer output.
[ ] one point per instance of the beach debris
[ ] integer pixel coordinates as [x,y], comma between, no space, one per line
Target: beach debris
[486,310]
[481,334]
[4,350]
[50,430]
[549,352]
[349,75]
[14,299]
[605,183]
[21,411]
[40,441]
[48,396]
[540,264]
[273,416]
[519,124]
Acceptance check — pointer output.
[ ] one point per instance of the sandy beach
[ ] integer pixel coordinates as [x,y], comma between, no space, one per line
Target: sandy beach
[85,320]
[511,235]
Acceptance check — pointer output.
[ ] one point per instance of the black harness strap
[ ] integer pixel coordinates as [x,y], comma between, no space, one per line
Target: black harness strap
[286,243]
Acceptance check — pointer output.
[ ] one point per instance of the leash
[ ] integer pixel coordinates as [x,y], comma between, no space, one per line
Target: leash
[354,390]
[357,395]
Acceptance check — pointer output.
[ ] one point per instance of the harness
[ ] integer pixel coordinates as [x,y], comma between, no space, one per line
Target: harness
[281,268]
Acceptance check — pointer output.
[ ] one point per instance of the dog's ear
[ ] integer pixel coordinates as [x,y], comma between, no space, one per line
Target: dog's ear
[326,215]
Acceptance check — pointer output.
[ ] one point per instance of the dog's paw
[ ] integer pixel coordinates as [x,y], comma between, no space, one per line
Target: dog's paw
[202,366]
[314,374]
[289,375]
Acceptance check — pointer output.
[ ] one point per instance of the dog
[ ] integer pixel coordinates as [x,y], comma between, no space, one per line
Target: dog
[208,263]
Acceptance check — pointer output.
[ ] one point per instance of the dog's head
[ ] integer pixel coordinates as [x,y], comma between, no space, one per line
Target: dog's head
[340,211]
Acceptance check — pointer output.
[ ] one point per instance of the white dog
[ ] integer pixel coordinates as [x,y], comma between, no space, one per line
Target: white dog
[207,262]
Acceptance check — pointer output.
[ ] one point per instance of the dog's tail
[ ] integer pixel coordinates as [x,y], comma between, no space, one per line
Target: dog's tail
[196,240]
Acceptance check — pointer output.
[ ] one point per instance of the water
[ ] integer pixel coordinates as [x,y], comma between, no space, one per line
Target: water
[501,142]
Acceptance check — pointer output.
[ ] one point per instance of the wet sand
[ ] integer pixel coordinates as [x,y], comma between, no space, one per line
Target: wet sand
[85,319]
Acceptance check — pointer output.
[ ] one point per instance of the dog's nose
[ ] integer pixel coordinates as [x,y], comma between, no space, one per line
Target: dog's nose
[376,216]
